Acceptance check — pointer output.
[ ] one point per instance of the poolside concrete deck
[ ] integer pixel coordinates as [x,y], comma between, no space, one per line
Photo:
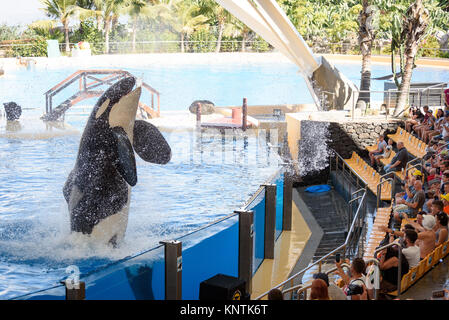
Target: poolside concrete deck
[288,249]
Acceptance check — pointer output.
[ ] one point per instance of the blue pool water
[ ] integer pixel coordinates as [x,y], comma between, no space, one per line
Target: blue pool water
[179,85]
[207,178]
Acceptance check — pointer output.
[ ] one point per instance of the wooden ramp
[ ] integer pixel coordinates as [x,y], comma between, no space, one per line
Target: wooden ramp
[92,83]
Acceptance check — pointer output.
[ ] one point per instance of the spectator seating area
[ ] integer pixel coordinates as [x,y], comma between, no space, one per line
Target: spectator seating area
[433,161]
[369,176]
[426,264]
[414,146]
[377,235]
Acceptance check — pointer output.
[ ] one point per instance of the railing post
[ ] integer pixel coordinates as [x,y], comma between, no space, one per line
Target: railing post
[246,236]
[198,115]
[287,202]
[244,114]
[46,103]
[270,220]
[78,292]
[399,269]
[173,269]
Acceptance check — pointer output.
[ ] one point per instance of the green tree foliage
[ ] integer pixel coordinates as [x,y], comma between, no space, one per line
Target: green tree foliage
[322,23]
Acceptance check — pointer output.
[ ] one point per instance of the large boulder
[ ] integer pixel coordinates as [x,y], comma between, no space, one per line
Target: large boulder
[207,107]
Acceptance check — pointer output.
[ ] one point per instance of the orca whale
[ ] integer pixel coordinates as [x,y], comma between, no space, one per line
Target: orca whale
[98,189]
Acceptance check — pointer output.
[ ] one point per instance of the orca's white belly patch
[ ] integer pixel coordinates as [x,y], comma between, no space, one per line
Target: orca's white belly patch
[113,226]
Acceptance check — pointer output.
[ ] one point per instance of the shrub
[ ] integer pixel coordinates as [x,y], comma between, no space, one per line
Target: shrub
[36,48]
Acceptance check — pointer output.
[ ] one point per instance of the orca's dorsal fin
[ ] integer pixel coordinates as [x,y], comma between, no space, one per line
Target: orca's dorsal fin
[126,162]
[150,144]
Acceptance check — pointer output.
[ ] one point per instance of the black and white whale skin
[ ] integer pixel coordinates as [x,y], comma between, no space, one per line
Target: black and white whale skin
[98,189]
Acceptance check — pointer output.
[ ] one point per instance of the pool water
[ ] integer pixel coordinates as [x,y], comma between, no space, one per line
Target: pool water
[207,178]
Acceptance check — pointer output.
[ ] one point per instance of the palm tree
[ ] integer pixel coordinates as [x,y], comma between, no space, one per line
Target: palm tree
[414,27]
[222,18]
[106,11]
[62,10]
[188,19]
[143,8]
[367,34]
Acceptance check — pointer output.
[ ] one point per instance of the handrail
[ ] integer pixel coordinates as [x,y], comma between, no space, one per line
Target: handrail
[414,166]
[379,189]
[301,288]
[318,262]
[109,76]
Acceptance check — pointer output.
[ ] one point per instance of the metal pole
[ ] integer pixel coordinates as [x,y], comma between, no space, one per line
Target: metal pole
[244,114]
[270,220]
[173,269]
[287,203]
[76,293]
[198,115]
[246,236]
[399,269]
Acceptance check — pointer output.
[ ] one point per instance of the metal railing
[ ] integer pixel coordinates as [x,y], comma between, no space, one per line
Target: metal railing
[226,45]
[347,248]
[395,243]
[416,97]
[303,288]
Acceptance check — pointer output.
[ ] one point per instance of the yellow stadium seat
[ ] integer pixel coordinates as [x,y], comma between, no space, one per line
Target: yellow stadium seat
[421,268]
[444,249]
[429,261]
[438,252]
[413,275]
[405,283]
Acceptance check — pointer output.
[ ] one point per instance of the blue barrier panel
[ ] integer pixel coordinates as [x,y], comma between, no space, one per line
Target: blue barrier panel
[139,278]
[279,204]
[208,252]
[54,293]
[258,206]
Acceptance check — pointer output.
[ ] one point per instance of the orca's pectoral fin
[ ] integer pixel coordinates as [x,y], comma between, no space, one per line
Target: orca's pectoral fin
[126,162]
[68,185]
[150,144]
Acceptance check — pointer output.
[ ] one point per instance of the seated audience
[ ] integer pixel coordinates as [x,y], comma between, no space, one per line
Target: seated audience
[399,161]
[319,290]
[381,145]
[275,294]
[413,206]
[426,238]
[354,288]
[388,266]
[441,230]
[335,293]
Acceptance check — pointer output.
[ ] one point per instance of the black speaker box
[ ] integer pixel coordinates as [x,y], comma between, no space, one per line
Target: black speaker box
[222,287]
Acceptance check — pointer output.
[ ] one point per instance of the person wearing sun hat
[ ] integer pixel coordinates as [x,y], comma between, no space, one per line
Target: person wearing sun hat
[445,199]
[417,174]
[426,238]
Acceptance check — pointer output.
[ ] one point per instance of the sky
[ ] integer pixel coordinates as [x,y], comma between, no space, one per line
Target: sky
[13,12]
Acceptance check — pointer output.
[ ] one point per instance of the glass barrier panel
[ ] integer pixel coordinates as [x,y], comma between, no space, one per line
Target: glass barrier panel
[55,293]
[139,278]
[279,204]
[208,252]
[258,206]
